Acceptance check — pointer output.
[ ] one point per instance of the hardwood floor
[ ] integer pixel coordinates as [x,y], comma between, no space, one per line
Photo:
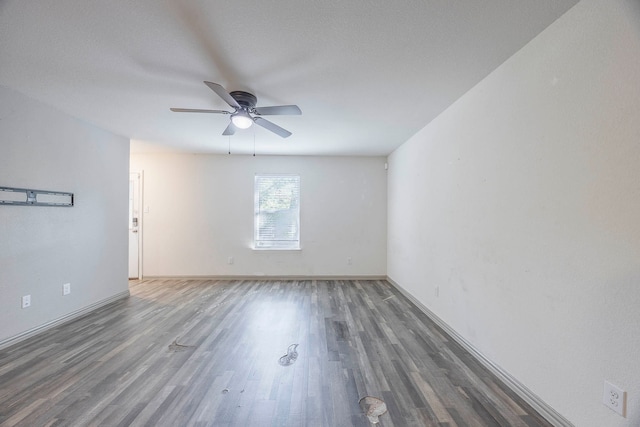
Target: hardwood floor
[206,353]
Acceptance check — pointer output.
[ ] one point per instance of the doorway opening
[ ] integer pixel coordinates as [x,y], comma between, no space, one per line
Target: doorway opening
[135,226]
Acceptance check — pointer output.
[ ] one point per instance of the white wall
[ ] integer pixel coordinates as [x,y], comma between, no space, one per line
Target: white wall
[201,213]
[521,203]
[43,247]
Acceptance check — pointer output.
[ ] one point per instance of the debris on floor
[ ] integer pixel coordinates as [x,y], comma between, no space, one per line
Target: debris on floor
[290,357]
[174,347]
[373,408]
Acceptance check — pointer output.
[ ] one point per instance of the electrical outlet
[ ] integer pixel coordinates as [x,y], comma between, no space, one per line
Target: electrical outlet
[66,289]
[230,260]
[615,398]
[26,301]
[349,261]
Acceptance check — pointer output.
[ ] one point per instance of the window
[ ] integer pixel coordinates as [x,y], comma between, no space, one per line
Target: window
[277,212]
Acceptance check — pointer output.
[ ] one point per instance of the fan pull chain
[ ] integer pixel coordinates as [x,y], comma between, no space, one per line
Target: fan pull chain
[229,144]
[254,141]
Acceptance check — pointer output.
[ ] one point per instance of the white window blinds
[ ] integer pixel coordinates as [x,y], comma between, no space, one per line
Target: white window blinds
[277,212]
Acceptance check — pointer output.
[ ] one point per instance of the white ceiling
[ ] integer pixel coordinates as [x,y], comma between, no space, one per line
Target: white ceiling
[366,74]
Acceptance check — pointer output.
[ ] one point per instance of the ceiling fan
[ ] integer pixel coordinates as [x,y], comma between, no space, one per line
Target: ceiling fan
[245,111]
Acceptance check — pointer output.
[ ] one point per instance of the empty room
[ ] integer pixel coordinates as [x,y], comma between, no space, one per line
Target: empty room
[421,213]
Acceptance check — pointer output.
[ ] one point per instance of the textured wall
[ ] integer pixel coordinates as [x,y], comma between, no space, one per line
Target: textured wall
[515,215]
[43,247]
[200,213]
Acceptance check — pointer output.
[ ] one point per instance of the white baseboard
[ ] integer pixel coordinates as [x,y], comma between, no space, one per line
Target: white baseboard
[544,409]
[264,277]
[64,319]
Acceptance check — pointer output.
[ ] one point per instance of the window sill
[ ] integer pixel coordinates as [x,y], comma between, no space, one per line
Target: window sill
[276,249]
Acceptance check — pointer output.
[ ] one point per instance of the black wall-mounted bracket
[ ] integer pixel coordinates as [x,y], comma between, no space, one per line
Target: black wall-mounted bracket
[29,197]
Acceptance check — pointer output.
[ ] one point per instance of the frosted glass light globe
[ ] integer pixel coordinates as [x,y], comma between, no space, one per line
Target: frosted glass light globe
[241,120]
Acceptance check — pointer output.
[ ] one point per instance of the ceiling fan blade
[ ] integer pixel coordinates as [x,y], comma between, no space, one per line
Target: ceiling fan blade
[278,110]
[272,127]
[222,93]
[230,130]
[196,110]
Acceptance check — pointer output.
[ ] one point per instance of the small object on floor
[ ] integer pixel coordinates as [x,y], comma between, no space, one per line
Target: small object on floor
[373,408]
[290,357]
[174,347]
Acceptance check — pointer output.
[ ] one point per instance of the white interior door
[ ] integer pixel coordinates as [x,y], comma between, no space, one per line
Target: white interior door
[134,226]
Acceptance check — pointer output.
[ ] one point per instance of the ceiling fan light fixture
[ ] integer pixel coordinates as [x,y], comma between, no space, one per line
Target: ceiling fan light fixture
[243,104]
[242,120]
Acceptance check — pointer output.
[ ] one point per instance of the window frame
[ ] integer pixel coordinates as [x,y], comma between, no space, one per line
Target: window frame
[262,244]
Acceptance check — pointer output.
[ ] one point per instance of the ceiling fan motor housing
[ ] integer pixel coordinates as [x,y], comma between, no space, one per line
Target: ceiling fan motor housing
[245,99]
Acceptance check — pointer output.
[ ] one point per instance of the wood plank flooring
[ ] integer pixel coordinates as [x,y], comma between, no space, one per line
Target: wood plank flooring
[206,352]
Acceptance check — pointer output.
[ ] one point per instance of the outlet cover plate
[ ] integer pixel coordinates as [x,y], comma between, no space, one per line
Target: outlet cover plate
[615,398]
[66,289]
[26,301]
